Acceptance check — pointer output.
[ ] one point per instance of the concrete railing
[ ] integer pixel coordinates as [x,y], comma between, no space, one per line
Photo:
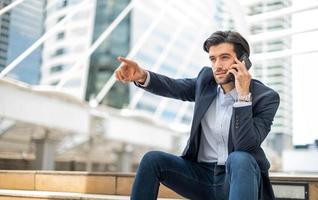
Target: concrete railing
[295,186]
[80,185]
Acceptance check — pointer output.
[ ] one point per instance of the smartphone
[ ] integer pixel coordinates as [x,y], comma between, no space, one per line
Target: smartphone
[247,62]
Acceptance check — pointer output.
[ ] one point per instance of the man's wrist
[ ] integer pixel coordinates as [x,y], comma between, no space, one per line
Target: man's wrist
[244,98]
[144,77]
[145,82]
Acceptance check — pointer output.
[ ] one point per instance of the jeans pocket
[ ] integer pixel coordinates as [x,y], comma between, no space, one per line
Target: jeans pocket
[218,187]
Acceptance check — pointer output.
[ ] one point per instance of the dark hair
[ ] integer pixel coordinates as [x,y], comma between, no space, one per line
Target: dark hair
[240,44]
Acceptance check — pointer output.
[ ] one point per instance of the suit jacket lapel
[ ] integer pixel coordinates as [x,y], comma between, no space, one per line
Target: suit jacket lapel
[203,103]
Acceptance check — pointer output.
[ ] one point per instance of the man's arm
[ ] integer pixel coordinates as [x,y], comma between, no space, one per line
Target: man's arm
[183,89]
[130,71]
[250,129]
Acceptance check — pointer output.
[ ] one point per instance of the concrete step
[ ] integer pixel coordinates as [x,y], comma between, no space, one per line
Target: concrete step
[44,195]
[76,182]
[118,185]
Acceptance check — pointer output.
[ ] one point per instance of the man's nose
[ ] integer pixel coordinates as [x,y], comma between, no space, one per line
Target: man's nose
[218,64]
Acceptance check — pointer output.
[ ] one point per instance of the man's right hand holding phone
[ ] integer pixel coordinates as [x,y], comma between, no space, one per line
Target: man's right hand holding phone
[242,77]
[129,71]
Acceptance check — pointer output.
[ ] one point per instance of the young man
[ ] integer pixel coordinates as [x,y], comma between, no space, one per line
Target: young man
[233,114]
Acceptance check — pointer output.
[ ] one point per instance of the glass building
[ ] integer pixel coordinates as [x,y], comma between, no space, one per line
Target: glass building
[73,40]
[163,48]
[103,61]
[62,50]
[275,72]
[174,48]
[4,34]
[20,28]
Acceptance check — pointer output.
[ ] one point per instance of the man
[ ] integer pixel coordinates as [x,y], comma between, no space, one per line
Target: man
[233,114]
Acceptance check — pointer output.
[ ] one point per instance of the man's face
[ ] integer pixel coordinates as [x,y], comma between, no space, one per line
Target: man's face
[222,57]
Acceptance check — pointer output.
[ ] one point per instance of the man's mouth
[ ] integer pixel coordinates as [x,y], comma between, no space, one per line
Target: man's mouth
[220,73]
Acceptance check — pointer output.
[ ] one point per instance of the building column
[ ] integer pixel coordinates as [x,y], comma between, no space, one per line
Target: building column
[45,153]
[96,131]
[125,159]
[89,148]
[176,144]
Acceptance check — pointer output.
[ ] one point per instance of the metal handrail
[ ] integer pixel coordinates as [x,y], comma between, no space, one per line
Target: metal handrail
[42,39]
[96,44]
[10,6]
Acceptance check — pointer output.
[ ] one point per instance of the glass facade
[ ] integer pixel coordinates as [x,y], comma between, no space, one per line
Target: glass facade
[20,28]
[70,43]
[103,60]
[276,72]
[4,34]
[273,72]
[173,49]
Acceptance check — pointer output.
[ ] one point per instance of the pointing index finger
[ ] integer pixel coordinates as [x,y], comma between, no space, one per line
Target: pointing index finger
[125,60]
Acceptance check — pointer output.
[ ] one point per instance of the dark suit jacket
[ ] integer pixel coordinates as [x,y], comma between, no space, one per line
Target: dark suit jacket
[249,124]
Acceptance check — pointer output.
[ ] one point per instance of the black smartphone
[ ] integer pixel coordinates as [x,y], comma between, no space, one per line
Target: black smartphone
[247,61]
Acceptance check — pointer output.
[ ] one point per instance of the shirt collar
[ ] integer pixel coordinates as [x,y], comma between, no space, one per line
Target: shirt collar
[228,98]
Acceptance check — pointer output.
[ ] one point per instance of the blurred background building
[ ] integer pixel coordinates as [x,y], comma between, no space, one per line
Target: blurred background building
[275,71]
[70,42]
[171,49]
[19,29]
[163,36]
[73,40]
[5,19]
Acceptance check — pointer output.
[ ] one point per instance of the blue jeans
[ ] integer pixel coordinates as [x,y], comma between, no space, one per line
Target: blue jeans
[195,180]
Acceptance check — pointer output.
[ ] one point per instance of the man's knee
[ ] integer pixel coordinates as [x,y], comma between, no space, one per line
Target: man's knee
[238,159]
[152,157]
